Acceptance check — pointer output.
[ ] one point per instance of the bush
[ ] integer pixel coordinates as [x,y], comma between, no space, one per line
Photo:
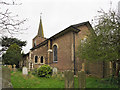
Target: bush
[119,79]
[112,80]
[44,71]
[34,72]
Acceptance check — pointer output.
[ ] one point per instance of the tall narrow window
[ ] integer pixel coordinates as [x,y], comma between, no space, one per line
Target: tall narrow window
[36,59]
[41,61]
[54,53]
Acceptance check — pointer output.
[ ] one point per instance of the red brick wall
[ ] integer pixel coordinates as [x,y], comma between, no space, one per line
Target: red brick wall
[41,51]
[64,52]
[38,40]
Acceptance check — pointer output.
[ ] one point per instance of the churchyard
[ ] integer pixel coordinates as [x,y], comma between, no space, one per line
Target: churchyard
[31,81]
[16,78]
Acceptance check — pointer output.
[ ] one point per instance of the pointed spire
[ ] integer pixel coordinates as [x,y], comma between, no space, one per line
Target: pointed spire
[40,29]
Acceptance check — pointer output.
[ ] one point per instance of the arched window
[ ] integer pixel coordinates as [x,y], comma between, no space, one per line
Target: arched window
[41,60]
[55,53]
[36,59]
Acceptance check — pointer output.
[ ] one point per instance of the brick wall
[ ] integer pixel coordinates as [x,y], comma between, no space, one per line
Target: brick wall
[41,51]
[94,68]
[38,40]
[64,52]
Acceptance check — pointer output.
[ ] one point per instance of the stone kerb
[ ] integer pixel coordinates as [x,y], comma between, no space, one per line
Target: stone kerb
[69,79]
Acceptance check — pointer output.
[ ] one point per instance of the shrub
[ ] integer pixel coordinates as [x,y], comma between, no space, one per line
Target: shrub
[44,71]
[119,79]
[34,72]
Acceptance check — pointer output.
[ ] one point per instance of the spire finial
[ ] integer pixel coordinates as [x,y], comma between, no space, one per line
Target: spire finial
[40,15]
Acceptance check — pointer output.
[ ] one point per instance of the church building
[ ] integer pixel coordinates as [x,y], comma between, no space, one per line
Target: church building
[59,50]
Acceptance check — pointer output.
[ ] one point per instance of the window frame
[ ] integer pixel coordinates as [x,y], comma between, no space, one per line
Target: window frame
[40,60]
[56,55]
[35,59]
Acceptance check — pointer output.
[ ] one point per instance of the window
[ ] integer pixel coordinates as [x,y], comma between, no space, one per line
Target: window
[36,59]
[41,60]
[55,53]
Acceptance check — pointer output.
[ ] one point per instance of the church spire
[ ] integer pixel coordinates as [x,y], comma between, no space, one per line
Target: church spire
[40,29]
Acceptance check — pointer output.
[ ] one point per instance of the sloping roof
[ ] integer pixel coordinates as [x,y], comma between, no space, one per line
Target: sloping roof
[70,28]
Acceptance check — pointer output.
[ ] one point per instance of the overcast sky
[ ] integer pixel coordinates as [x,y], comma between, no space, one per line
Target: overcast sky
[56,15]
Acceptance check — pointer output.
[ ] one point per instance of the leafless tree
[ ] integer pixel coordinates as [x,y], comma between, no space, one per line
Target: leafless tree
[8,22]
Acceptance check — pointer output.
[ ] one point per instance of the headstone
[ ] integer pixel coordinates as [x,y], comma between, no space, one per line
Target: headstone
[81,79]
[83,67]
[110,67]
[0,75]
[119,9]
[14,67]
[69,79]
[10,67]
[54,71]
[6,78]
[24,71]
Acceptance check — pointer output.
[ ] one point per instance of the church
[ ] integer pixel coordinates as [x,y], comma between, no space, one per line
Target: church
[59,50]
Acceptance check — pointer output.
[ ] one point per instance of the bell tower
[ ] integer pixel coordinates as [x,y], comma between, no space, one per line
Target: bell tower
[40,35]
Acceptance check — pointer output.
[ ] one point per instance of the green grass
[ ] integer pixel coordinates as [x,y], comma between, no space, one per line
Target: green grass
[20,81]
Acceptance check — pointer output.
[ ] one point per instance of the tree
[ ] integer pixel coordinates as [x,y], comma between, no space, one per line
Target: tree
[105,45]
[6,42]
[12,55]
[8,22]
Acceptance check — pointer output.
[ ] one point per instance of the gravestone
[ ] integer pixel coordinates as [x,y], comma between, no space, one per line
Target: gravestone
[54,71]
[0,75]
[81,79]
[14,67]
[69,79]
[110,67]
[24,71]
[6,78]
[10,67]
[83,67]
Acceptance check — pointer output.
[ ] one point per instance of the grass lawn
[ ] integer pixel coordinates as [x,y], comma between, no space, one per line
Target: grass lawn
[31,81]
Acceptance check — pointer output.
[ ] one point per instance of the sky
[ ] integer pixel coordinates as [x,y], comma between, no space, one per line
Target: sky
[56,15]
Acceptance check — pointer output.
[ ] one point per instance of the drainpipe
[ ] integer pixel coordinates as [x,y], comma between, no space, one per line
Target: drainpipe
[74,51]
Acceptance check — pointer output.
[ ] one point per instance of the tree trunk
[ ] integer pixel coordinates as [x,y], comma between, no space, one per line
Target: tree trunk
[118,69]
[113,68]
